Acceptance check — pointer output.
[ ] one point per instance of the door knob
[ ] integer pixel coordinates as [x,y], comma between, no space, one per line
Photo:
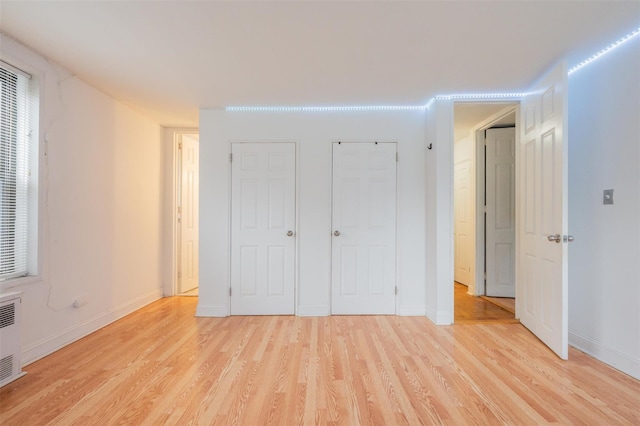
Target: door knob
[336,233]
[289,233]
[557,238]
[567,238]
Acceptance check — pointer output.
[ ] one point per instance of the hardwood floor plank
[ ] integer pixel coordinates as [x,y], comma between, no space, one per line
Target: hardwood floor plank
[472,310]
[161,365]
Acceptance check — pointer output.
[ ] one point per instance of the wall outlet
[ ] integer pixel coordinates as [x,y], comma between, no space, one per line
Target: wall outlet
[607,197]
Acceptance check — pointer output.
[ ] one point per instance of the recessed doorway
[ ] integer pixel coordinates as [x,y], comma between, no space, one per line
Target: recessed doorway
[185,267]
[484,211]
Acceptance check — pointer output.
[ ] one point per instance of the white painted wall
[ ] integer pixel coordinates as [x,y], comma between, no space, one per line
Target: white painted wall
[439,215]
[604,259]
[313,133]
[101,213]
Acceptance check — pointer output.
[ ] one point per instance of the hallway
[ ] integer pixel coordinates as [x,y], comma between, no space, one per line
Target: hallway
[470,310]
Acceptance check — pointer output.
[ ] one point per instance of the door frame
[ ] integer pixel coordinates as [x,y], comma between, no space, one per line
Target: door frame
[480,226]
[172,165]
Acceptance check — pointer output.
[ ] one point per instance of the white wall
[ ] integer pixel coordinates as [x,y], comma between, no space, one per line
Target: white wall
[604,259]
[313,133]
[439,215]
[100,214]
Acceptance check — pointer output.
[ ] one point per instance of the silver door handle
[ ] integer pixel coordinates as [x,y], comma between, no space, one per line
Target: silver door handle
[336,233]
[289,233]
[567,238]
[557,238]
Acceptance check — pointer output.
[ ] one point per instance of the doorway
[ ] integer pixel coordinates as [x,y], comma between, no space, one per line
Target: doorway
[187,188]
[484,211]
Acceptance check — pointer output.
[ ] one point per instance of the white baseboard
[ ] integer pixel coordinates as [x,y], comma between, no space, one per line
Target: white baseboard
[47,346]
[440,317]
[626,363]
[313,311]
[444,318]
[12,379]
[212,311]
[412,310]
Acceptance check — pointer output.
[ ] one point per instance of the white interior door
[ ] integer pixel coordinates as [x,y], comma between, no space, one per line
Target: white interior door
[188,214]
[500,228]
[263,228]
[463,244]
[542,211]
[364,228]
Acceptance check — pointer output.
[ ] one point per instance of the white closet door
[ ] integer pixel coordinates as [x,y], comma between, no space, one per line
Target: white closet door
[364,228]
[263,228]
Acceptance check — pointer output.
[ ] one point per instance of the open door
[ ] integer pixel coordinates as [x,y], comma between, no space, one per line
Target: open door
[463,236]
[500,228]
[188,214]
[541,268]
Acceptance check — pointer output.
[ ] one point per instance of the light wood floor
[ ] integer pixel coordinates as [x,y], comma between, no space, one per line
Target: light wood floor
[468,309]
[193,292]
[508,303]
[161,365]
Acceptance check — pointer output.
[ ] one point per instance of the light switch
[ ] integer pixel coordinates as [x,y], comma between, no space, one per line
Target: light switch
[607,198]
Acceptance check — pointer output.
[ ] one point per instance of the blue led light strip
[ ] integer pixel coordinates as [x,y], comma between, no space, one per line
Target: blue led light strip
[329,108]
[376,108]
[604,51]
[470,96]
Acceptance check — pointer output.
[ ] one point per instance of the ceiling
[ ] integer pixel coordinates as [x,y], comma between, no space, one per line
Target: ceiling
[167,59]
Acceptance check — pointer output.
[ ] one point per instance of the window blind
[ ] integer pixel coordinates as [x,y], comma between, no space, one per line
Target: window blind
[15,125]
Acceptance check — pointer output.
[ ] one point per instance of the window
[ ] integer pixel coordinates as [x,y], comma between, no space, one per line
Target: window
[18,156]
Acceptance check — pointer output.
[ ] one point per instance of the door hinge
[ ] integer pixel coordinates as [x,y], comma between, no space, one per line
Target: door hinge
[229,291]
[180,145]
[485,276]
[396,290]
[484,209]
[397,157]
[179,274]
[231,158]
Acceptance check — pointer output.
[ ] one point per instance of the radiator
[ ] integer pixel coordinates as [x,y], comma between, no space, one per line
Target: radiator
[10,348]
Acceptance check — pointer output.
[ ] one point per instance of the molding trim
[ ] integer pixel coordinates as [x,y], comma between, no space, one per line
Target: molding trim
[626,363]
[431,313]
[212,311]
[412,311]
[313,311]
[441,317]
[444,317]
[50,344]
[12,379]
